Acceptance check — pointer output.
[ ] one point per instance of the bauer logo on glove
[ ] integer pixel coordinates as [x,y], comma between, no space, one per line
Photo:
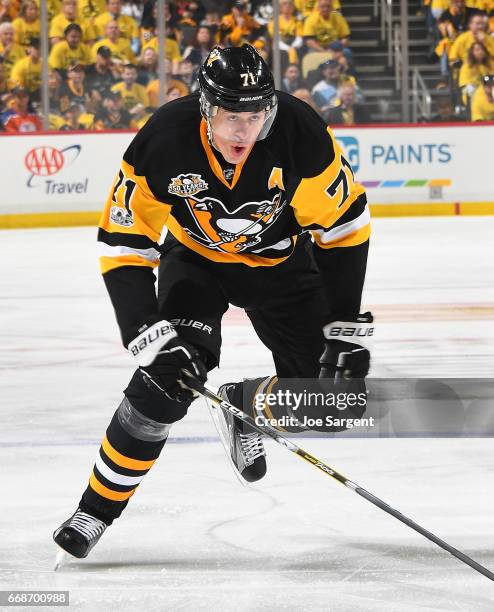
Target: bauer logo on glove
[141,347]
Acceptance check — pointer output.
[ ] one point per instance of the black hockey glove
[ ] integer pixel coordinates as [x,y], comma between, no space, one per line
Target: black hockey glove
[346,355]
[162,356]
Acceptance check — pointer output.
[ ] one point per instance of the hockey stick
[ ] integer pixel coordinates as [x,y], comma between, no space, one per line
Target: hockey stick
[300,452]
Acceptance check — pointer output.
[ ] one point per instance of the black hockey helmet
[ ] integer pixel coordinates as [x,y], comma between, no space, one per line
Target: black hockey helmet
[239,80]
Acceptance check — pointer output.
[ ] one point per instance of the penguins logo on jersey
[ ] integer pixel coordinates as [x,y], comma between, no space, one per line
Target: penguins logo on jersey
[185,185]
[232,232]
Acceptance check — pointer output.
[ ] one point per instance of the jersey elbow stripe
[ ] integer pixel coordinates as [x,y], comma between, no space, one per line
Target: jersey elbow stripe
[111,263]
[354,239]
[150,254]
[355,229]
[134,241]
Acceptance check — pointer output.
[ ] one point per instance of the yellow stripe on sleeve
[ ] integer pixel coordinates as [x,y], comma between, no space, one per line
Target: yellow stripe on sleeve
[353,239]
[111,263]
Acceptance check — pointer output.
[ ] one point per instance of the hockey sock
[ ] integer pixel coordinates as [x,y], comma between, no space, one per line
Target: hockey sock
[132,444]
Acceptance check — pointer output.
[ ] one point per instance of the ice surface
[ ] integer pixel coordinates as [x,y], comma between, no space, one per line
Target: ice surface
[192,538]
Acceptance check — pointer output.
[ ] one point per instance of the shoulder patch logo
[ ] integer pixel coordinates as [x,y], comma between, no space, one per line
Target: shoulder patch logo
[121,216]
[187,185]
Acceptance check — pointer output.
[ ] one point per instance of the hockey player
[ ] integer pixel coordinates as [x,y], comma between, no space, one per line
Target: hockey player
[262,212]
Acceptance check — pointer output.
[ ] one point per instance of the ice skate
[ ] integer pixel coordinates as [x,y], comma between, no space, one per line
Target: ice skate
[79,534]
[245,444]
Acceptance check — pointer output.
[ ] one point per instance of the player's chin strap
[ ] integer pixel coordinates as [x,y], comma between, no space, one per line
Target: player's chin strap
[194,385]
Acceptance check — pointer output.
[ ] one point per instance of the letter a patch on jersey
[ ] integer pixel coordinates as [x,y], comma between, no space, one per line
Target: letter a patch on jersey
[276,179]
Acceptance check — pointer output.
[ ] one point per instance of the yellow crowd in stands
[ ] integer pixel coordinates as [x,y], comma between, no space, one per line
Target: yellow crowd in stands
[305,25]
[466,49]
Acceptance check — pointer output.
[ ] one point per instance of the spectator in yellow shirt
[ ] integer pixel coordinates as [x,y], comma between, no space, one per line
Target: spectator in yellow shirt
[53,7]
[121,52]
[172,51]
[171,83]
[324,26]
[4,85]
[239,27]
[478,65]
[27,25]
[483,100]
[141,115]
[306,7]
[89,9]
[9,50]
[72,119]
[127,25]
[71,50]
[9,10]
[438,7]
[481,5]
[57,97]
[291,30]
[26,73]
[132,92]
[65,18]
[477,32]
[113,116]
[147,66]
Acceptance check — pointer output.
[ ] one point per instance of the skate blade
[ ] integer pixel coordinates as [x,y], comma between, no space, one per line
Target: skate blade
[214,412]
[59,560]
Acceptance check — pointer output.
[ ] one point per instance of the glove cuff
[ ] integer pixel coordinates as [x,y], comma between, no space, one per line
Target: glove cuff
[149,342]
[359,332]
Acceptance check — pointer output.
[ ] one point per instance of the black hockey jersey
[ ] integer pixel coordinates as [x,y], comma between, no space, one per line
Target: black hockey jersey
[295,180]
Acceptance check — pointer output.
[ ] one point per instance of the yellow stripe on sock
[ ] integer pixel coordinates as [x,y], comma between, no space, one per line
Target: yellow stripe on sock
[96,485]
[122,460]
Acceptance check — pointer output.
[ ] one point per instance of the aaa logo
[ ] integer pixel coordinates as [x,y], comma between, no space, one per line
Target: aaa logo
[46,161]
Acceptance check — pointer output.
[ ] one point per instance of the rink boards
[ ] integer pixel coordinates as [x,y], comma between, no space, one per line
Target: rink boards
[63,179]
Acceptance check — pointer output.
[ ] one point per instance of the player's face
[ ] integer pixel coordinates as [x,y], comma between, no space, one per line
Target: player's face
[235,133]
